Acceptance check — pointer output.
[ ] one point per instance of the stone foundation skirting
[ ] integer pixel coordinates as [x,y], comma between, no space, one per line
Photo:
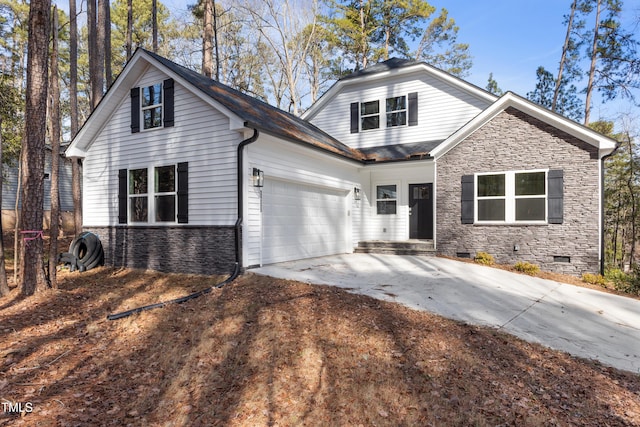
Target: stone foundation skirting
[189,249]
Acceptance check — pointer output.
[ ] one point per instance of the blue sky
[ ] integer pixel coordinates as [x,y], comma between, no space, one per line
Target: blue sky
[509,38]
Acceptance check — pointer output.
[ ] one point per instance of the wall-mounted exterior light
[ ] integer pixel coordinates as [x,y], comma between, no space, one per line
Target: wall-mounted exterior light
[258,177]
[356,193]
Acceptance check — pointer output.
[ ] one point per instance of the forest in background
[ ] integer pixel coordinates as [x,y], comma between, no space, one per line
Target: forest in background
[288,52]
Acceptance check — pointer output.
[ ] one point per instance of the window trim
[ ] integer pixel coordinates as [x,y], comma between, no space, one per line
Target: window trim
[151,195]
[396,200]
[510,198]
[362,116]
[151,107]
[404,110]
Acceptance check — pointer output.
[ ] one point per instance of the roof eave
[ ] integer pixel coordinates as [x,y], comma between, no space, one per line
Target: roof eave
[604,144]
[413,68]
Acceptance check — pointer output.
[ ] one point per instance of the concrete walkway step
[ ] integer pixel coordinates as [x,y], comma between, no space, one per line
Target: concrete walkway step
[406,247]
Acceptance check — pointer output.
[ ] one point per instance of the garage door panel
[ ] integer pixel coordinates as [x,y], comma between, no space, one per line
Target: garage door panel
[302,221]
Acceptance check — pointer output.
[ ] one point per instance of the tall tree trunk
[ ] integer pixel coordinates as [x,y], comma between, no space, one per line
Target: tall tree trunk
[129,35]
[98,77]
[73,100]
[563,58]
[631,183]
[592,68]
[17,255]
[215,39]
[4,285]
[33,278]
[54,117]
[363,35]
[207,39]
[154,19]
[108,74]
[92,36]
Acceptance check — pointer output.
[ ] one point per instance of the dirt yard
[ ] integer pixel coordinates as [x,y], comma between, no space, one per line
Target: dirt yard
[262,351]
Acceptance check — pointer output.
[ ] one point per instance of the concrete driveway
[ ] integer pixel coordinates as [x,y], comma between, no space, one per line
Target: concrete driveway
[580,321]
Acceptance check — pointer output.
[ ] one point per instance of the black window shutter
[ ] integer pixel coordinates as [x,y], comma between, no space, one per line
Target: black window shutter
[413,109]
[135,110]
[355,117]
[555,195]
[168,102]
[122,196]
[467,214]
[183,193]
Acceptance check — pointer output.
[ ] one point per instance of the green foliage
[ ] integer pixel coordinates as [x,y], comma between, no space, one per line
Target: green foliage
[527,268]
[492,86]
[168,30]
[568,104]
[369,31]
[594,279]
[484,258]
[625,282]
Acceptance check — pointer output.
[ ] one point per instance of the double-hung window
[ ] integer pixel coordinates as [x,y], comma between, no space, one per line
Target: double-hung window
[151,106]
[165,193]
[511,197]
[386,199]
[159,204]
[369,115]
[396,111]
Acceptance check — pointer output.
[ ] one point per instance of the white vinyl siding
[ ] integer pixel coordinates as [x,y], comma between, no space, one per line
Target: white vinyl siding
[304,169]
[201,136]
[442,109]
[370,225]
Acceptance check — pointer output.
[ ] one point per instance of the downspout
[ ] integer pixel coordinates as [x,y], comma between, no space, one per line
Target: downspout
[602,210]
[238,250]
[238,227]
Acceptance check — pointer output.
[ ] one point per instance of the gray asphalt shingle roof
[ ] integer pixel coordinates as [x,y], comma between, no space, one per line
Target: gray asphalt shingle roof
[274,121]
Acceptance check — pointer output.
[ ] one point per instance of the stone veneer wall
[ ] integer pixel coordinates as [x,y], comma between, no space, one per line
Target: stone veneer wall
[516,141]
[190,249]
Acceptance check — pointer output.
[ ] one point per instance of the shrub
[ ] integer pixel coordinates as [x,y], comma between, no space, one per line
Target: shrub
[594,279]
[625,282]
[484,258]
[527,268]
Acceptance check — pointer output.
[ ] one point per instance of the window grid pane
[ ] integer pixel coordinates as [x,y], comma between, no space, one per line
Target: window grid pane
[165,208]
[138,209]
[491,210]
[491,185]
[530,184]
[165,179]
[152,95]
[138,181]
[530,209]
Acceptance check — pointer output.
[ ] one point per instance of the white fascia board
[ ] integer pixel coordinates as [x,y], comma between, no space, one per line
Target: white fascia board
[604,144]
[120,90]
[108,104]
[235,122]
[416,68]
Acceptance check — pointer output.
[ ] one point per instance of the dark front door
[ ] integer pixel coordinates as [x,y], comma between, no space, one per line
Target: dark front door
[421,211]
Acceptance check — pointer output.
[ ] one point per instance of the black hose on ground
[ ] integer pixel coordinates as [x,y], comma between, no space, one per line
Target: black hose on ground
[179,300]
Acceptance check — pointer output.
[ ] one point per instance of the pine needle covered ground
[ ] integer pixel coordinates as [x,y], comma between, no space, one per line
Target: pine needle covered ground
[264,351]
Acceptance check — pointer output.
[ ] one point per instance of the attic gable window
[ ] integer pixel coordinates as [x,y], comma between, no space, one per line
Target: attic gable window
[152,106]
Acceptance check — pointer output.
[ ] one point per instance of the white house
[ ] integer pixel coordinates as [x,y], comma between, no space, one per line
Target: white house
[181,173]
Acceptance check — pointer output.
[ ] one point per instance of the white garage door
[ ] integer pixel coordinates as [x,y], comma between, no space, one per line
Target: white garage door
[302,221]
